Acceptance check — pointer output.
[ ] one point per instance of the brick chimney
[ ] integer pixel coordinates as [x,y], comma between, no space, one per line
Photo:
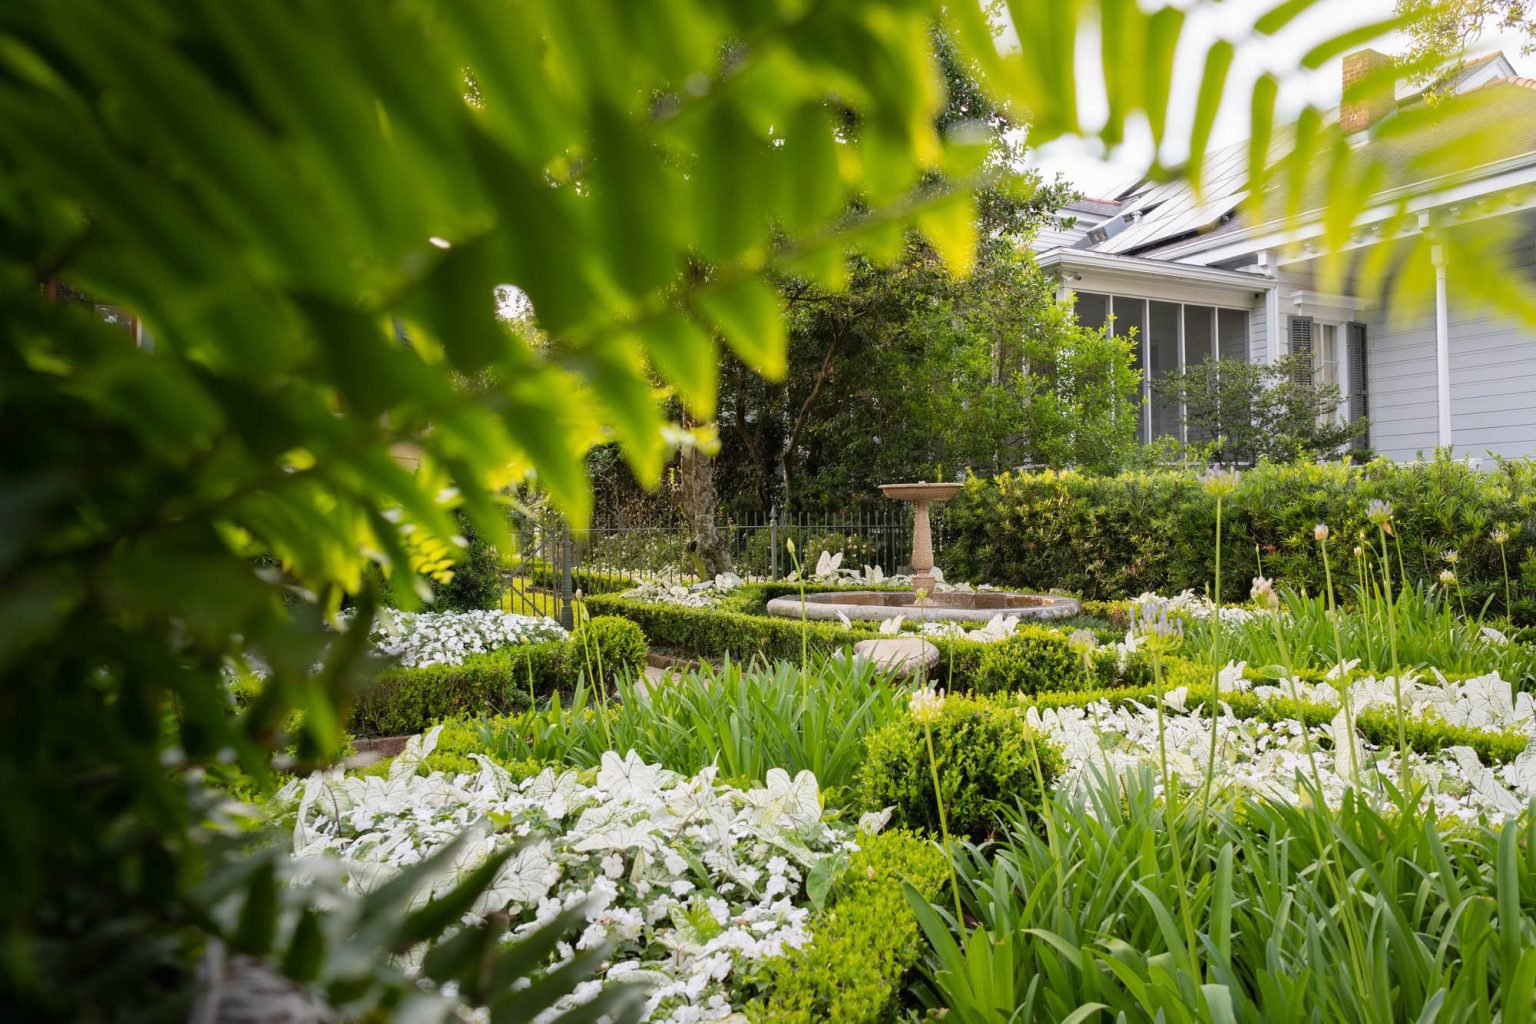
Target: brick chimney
[1359,112]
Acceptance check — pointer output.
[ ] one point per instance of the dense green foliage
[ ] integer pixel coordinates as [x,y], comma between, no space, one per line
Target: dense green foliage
[479,576]
[863,945]
[1032,660]
[608,647]
[987,760]
[1117,536]
[311,208]
[397,701]
[1250,411]
[1259,911]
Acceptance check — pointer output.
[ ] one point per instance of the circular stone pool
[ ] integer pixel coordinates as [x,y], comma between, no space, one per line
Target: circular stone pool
[950,606]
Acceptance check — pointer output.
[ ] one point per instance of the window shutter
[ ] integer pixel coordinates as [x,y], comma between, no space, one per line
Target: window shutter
[1301,345]
[1359,398]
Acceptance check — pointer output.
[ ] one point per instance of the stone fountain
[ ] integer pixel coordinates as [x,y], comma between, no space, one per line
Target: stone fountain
[949,605]
[921,495]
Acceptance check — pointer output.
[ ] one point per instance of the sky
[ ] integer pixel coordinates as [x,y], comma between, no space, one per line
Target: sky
[1098,174]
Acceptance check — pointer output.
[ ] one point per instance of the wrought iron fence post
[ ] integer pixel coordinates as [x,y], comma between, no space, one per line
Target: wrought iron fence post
[773,543]
[567,618]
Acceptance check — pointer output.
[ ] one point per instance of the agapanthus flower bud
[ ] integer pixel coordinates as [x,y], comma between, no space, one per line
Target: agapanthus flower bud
[1359,551]
[1320,532]
[1379,512]
[926,704]
[1082,641]
[1451,556]
[1501,536]
[1219,483]
[1263,593]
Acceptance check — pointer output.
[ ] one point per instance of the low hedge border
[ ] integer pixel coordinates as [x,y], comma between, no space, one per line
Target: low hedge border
[718,633]
[542,573]
[402,700]
[862,946]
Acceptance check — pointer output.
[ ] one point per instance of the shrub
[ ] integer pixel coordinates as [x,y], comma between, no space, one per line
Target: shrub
[987,761]
[608,644]
[1117,536]
[477,575]
[1033,660]
[864,944]
[543,573]
[408,700]
[461,737]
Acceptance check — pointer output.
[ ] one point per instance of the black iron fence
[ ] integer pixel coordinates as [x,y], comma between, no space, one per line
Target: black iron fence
[553,561]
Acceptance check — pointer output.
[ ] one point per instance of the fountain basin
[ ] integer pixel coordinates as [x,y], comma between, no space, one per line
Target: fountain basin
[949,606]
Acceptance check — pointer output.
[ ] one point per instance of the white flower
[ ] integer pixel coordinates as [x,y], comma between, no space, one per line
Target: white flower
[926,704]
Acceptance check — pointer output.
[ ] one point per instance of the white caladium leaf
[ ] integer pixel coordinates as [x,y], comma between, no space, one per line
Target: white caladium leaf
[827,564]
[873,822]
[843,618]
[417,748]
[890,627]
[1522,774]
[630,778]
[793,803]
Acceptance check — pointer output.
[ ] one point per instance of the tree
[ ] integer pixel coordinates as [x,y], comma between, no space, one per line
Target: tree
[1251,411]
[1442,31]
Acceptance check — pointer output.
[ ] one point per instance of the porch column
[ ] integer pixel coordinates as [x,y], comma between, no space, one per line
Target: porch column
[1442,345]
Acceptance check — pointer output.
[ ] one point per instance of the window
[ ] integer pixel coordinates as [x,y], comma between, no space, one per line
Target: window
[1173,336]
[1092,310]
[1163,338]
[1326,340]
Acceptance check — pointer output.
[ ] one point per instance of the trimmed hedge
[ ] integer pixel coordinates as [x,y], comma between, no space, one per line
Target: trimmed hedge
[864,944]
[719,633]
[408,700]
[541,572]
[609,645]
[988,761]
[1117,536]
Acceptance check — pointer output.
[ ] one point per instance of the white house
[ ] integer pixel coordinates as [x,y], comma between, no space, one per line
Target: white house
[1200,279]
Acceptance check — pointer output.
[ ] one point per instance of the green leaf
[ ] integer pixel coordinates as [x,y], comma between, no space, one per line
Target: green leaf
[748,315]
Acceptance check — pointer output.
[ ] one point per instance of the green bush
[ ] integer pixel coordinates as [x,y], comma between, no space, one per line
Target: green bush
[863,945]
[1117,536]
[459,738]
[1033,660]
[408,700]
[478,575]
[987,762]
[542,573]
[608,644]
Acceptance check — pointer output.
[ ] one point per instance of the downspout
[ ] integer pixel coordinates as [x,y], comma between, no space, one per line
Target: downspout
[1442,344]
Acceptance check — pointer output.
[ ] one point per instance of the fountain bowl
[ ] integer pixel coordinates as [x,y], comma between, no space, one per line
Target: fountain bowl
[921,492]
[947,606]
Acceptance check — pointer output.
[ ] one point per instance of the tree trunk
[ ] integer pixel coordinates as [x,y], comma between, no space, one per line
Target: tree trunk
[697,472]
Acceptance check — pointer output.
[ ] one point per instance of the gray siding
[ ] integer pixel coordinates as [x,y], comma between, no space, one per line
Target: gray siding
[1493,382]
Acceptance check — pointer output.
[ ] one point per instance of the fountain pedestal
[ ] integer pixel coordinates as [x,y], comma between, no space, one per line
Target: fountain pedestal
[921,495]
